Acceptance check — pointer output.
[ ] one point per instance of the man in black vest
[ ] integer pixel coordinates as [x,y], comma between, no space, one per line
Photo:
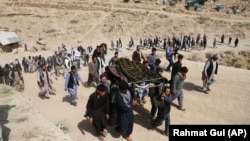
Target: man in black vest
[71,83]
[209,72]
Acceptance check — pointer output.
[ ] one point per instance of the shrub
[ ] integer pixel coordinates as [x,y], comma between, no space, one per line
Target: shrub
[74,21]
[238,65]
[228,52]
[248,67]
[51,30]
[5,90]
[202,20]
[202,2]
[244,53]
[209,55]
[162,16]
[22,119]
[63,126]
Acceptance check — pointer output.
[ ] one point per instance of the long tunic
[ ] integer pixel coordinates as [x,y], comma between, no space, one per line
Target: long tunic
[43,78]
[125,114]
[210,69]
[98,108]
[93,72]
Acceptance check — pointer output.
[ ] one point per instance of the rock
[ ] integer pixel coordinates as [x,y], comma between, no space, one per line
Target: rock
[41,42]
[34,49]
[15,51]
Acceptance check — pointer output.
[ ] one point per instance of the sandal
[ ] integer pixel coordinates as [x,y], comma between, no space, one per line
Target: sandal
[104,134]
[182,109]
[128,139]
[100,138]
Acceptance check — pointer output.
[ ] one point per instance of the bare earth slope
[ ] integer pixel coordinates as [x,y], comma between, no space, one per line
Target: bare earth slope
[21,121]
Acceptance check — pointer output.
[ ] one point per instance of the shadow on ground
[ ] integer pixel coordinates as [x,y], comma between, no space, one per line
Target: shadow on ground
[189,86]
[4,113]
[66,98]
[84,125]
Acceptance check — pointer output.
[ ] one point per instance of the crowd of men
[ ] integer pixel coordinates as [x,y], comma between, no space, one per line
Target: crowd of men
[113,100]
[11,74]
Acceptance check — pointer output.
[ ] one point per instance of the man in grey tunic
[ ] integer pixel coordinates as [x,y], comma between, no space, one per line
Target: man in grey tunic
[177,86]
[152,57]
[209,72]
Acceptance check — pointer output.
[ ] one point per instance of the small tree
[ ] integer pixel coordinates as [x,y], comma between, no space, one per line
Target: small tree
[202,2]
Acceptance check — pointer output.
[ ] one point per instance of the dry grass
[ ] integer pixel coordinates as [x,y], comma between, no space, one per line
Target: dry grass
[22,119]
[29,135]
[32,133]
[202,20]
[208,55]
[63,126]
[245,25]
[74,21]
[228,58]
[5,90]
[51,31]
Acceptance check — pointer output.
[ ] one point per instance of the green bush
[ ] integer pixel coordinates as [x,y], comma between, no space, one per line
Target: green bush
[63,126]
[22,119]
[238,65]
[248,67]
[202,20]
[74,21]
[208,55]
[202,2]
[5,90]
[228,52]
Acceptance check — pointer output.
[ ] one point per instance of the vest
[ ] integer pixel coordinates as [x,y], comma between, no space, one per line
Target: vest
[71,81]
[41,77]
[13,74]
[210,68]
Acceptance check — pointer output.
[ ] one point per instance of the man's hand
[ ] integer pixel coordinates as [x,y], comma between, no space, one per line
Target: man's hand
[40,84]
[161,84]
[162,98]
[91,120]
[107,116]
[206,75]
[134,102]
[173,93]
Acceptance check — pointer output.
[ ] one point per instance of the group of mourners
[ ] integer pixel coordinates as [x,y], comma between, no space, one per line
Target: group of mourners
[114,98]
[181,42]
[11,75]
[236,41]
